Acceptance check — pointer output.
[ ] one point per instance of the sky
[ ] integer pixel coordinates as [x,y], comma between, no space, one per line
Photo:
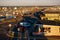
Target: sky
[29,2]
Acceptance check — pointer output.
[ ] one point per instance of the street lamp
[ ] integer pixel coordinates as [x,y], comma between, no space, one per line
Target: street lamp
[10,25]
[15,8]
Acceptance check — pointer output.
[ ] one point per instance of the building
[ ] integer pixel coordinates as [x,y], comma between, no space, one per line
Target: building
[51,14]
[50,30]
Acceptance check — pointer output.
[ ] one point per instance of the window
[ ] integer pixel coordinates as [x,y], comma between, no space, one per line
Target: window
[45,18]
[59,30]
[47,29]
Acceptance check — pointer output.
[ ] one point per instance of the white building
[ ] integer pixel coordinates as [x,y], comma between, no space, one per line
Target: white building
[51,30]
[52,14]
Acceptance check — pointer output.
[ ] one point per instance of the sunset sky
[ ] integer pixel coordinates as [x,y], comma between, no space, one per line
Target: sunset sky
[29,2]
